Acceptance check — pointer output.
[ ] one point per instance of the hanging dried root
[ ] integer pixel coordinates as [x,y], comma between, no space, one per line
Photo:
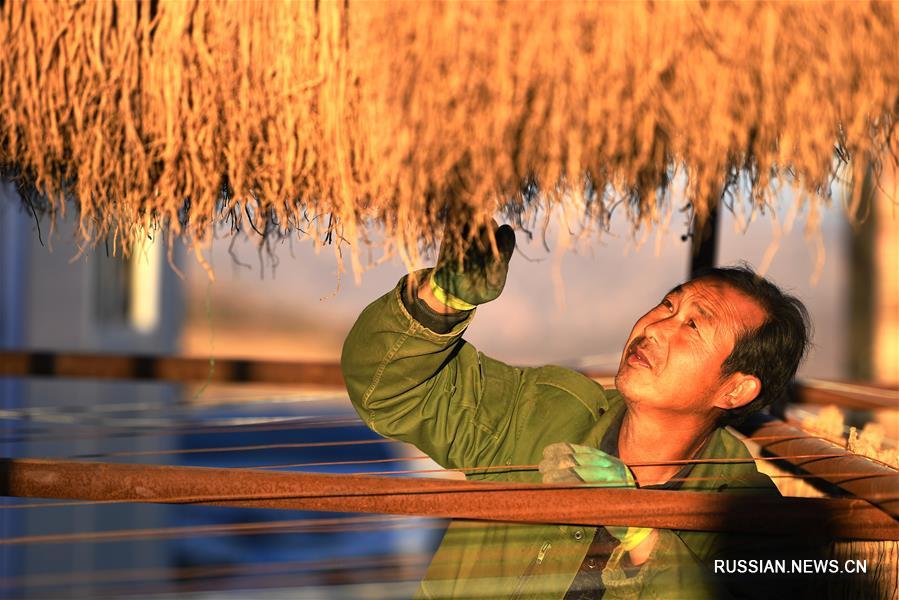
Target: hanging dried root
[328,118]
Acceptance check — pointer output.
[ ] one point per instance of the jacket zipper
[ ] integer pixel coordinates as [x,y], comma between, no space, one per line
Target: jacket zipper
[535,562]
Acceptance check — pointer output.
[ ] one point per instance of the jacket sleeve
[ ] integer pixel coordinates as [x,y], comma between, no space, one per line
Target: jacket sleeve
[433,390]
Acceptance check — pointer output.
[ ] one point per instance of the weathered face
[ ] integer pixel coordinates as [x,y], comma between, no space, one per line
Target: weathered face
[673,356]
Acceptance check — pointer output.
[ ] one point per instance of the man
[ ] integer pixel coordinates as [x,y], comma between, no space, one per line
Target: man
[713,350]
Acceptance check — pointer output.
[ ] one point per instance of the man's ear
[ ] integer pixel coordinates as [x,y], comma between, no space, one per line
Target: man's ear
[738,390]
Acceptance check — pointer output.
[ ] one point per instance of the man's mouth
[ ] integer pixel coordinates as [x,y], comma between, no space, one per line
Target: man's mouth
[637,358]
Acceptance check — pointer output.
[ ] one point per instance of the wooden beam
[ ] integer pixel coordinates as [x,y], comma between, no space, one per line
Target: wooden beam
[168,368]
[847,394]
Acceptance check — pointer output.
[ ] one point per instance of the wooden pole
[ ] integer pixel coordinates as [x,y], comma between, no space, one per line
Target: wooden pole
[704,242]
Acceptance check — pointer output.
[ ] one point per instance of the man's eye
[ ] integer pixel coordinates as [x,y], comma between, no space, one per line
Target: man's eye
[692,324]
[667,304]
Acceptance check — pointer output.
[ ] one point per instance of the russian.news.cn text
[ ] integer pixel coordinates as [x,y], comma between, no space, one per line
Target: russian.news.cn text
[790,567]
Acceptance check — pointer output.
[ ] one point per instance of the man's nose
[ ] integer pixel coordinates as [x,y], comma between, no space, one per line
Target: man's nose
[657,329]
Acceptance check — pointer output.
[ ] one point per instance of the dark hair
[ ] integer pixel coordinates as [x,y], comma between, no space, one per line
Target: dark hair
[772,352]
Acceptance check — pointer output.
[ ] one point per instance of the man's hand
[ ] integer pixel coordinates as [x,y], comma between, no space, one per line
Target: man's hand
[481,274]
[573,463]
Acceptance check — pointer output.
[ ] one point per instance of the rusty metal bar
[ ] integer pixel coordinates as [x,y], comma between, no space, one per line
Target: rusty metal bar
[870,480]
[833,518]
[166,368]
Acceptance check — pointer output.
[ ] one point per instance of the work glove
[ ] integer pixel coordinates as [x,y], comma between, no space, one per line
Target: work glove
[481,275]
[572,463]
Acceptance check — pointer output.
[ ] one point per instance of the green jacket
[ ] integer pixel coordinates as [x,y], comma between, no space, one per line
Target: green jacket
[465,409]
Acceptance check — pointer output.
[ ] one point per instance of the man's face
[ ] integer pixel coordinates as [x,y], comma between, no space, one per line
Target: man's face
[673,356]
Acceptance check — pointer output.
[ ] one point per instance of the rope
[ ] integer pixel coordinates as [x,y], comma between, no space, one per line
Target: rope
[229,426]
[36,413]
[211,571]
[230,449]
[293,526]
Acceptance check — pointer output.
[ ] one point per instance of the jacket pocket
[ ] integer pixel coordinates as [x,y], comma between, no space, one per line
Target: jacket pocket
[531,568]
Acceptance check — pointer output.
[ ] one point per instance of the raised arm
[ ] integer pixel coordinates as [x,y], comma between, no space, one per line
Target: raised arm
[432,388]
